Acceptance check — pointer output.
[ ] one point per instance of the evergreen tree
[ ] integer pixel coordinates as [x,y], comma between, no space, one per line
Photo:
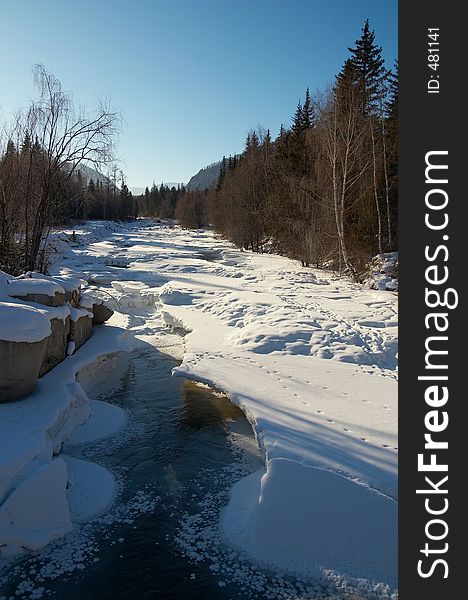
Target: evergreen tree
[26,146]
[308,113]
[222,172]
[298,120]
[391,104]
[367,60]
[346,86]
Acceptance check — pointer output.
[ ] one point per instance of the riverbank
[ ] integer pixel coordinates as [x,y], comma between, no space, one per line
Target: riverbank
[310,359]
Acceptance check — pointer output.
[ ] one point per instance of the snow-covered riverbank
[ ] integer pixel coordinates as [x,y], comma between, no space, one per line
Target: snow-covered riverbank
[310,358]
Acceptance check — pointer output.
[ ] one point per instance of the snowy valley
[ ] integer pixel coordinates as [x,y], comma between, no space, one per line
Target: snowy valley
[309,357]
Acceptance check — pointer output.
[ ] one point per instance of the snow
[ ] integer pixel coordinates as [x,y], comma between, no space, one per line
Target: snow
[252,522]
[22,287]
[32,433]
[77,313]
[105,420]
[91,488]
[309,357]
[26,524]
[383,272]
[51,312]
[22,323]
[69,284]
[87,300]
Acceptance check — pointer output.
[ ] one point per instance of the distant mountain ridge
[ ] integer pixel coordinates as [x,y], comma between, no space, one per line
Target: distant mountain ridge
[205,178]
[88,173]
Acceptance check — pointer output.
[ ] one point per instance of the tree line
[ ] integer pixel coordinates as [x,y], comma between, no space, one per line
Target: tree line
[160,202]
[42,155]
[52,156]
[324,191]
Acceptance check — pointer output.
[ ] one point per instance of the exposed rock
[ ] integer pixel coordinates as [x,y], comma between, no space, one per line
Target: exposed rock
[20,363]
[80,330]
[101,313]
[56,346]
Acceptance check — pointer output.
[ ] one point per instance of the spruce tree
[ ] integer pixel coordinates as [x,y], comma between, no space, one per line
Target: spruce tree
[392,101]
[367,60]
[347,85]
[222,172]
[308,112]
[298,121]
[26,146]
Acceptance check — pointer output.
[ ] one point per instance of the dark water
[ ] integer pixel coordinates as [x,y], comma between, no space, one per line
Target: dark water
[176,445]
[175,463]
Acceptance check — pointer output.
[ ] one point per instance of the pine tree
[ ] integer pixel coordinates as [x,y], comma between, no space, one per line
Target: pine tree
[281,133]
[298,120]
[391,104]
[254,140]
[26,146]
[367,60]
[308,112]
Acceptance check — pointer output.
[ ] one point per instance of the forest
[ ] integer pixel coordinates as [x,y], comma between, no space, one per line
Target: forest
[324,192]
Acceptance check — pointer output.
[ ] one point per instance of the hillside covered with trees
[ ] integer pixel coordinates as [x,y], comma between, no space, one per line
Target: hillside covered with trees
[324,191]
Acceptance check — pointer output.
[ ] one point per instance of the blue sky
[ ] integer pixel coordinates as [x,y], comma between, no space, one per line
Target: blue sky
[190,77]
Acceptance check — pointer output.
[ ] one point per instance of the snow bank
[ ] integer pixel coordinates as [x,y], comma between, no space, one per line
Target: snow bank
[31,525]
[312,363]
[383,272]
[297,504]
[68,283]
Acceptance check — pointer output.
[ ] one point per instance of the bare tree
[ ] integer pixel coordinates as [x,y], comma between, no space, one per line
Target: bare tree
[68,137]
[342,137]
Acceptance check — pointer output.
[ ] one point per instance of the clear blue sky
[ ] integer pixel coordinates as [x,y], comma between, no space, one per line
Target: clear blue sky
[190,77]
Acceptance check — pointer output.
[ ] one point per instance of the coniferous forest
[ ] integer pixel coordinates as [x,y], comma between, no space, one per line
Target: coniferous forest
[323,192]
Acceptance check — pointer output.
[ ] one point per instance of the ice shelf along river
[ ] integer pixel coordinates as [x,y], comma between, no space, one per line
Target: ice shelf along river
[231,432]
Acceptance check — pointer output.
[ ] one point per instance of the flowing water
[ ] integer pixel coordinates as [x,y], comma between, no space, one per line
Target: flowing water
[177,449]
[175,462]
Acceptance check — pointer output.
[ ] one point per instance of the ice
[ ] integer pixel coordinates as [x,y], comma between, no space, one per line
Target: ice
[104,421]
[296,504]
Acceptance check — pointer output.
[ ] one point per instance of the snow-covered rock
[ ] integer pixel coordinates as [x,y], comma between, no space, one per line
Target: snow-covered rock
[383,272]
[23,323]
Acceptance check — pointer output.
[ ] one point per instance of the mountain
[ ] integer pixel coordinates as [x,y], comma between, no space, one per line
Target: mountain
[205,178]
[88,173]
